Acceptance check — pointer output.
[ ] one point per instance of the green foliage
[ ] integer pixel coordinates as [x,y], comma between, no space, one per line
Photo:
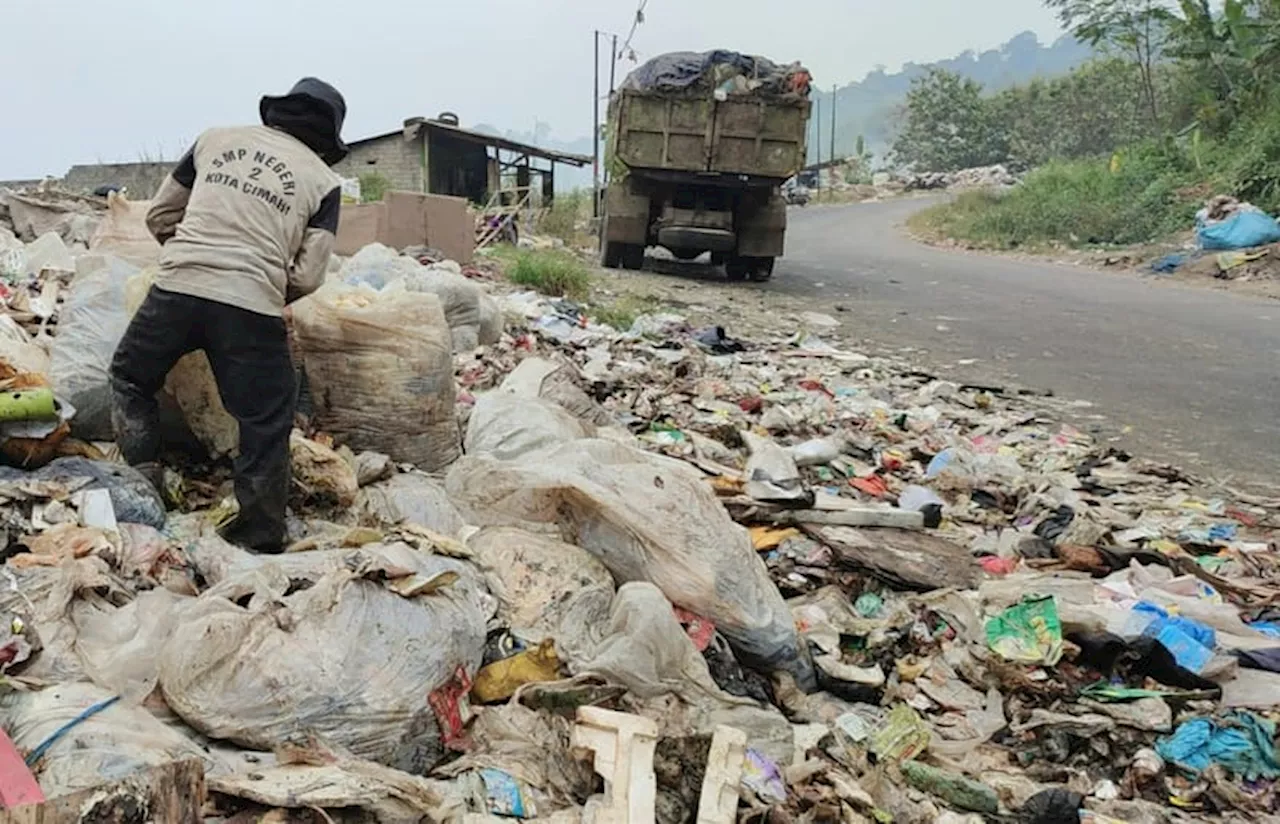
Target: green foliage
[373,186]
[554,273]
[567,210]
[622,313]
[1079,203]
[948,125]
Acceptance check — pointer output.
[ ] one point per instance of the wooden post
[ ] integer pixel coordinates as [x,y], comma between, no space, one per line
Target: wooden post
[172,793]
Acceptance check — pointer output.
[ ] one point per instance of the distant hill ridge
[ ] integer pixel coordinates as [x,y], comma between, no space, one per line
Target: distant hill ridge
[869,107]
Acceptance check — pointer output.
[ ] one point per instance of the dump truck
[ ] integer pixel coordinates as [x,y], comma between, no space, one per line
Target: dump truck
[698,148]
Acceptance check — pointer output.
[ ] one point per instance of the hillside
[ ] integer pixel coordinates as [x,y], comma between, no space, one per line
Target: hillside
[870,107]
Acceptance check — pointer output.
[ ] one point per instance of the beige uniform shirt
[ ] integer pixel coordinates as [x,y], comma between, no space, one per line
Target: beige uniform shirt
[247,218]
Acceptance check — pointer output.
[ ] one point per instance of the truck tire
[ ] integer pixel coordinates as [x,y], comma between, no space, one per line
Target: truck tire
[611,255]
[761,269]
[632,256]
[736,268]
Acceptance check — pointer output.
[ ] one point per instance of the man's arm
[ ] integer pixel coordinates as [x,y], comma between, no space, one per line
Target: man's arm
[169,205]
[312,262]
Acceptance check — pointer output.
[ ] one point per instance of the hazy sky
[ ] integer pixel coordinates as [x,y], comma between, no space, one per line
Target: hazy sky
[87,80]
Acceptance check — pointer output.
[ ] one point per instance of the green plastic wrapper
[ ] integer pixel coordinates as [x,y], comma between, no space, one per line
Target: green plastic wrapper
[1029,633]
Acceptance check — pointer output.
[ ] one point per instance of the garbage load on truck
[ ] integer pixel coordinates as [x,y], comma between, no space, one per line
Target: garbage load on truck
[699,147]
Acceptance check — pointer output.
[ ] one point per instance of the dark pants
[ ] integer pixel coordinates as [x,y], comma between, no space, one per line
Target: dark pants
[249,354]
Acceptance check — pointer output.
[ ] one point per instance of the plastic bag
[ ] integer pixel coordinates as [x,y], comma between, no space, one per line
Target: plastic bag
[381,371]
[18,350]
[534,577]
[322,473]
[192,385]
[410,497]
[124,232]
[1030,632]
[557,383]
[1243,230]
[647,518]
[113,743]
[48,252]
[345,658]
[133,497]
[506,426]
[378,266]
[90,326]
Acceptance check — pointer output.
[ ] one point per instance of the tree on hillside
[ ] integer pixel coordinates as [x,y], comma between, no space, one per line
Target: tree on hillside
[1137,29]
[947,125]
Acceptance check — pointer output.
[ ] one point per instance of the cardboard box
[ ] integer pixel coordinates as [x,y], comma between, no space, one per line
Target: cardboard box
[409,219]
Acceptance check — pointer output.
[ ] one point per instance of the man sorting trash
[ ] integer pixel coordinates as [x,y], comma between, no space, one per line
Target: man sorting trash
[247,220]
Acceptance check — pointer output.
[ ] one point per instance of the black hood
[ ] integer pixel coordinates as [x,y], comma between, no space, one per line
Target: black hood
[313,112]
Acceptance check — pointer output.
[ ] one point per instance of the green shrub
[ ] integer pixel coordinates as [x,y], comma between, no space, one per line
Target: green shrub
[558,274]
[373,186]
[561,220]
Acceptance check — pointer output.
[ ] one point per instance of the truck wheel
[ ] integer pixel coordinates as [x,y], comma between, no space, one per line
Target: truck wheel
[761,269]
[632,255]
[737,268]
[718,258]
[611,255]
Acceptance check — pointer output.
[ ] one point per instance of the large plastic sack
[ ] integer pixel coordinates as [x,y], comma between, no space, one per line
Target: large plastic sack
[107,746]
[507,426]
[647,518]
[378,266]
[325,645]
[192,385]
[557,383]
[91,324]
[119,647]
[534,577]
[43,596]
[380,369]
[124,232]
[1243,230]
[409,498]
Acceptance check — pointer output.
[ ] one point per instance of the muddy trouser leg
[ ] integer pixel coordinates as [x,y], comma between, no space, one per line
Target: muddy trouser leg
[160,333]
[249,354]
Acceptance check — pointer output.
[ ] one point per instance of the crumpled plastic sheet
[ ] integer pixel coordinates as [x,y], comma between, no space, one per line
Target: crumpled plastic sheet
[1242,742]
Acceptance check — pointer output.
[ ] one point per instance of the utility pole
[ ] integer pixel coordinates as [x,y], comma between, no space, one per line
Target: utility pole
[834,88]
[817,110]
[613,71]
[595,133]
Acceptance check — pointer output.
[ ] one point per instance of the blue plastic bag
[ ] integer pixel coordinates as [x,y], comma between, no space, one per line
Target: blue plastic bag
[1243,743]
[1243,230]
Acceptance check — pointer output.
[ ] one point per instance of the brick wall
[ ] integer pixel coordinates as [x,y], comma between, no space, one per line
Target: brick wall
[393,157]
[141,179]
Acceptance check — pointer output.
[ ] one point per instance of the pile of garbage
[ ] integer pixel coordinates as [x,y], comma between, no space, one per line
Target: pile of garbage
[542,568]
[983,177]
[721,73]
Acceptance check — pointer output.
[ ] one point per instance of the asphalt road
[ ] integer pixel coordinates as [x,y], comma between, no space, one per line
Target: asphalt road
[1177,373]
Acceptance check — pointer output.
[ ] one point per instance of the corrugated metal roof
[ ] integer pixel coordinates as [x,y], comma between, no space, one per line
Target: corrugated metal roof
[486,139]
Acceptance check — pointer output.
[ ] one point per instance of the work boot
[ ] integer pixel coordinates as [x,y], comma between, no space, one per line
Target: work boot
[247,536]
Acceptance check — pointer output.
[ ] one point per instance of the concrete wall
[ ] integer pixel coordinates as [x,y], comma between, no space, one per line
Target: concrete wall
[141,179]
[393,157]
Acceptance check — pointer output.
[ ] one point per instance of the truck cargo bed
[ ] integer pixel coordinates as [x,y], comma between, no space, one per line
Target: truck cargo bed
[740,136]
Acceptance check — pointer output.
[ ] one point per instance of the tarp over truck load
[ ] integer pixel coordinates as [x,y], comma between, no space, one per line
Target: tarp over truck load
[730,71]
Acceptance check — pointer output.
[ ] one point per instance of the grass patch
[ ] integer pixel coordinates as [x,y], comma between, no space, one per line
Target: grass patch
[554,273]
[568,212]
[622,313]
[1142,194]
